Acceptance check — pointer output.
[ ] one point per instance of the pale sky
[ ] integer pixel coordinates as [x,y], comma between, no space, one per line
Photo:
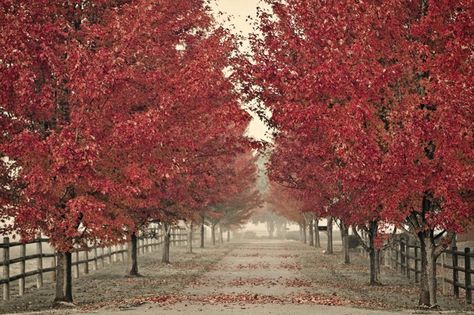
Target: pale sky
[238,11]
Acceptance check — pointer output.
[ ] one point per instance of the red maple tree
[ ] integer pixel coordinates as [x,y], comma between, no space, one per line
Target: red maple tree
[376,95]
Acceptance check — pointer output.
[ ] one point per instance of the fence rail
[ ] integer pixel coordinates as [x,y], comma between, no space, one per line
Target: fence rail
[94,255]
[405,257]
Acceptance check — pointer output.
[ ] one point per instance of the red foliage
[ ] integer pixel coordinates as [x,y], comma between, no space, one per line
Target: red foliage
[118,113]
[372,105]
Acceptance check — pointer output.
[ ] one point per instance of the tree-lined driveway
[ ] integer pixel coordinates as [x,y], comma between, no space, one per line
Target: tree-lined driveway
[256,277]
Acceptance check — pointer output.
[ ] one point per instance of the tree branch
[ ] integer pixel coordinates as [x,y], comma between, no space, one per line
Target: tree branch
[356,233]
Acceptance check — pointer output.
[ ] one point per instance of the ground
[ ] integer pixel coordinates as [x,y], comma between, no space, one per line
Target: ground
[242,277]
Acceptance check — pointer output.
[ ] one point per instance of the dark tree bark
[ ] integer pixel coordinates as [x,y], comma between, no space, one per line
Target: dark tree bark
[166,244]
[432,282]
[270,228]
[68,275]
[305,240]
[213,234]
[424,298]
[372,234]
[133,254]
[373,271]
[317,240]
[202,233]
[221,234]
[308,217]
[60,277]
[345,242]
[329,249]
[429,249]
[369,246]
[190,238]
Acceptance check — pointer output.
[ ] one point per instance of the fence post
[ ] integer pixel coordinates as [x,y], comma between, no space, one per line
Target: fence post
[417,265]
[53,265]
[455,271]
[39,263]
[122,254]
[113,253]
[171,237]
[6,268]
[109,254]
[443,273]
[76,254]
[96,266]
[407,258]
[86,265]
[158,239]
[186,237]
[467,274]
[102,258]
[402,257]
[392,254]
[21,282]
[397,254]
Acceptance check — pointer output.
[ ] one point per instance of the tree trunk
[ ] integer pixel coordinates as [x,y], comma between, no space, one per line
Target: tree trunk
[428,282]
[279,229]
[345,242]
[329,249]
[68,276]
[190,238]
[372,262]
[202,233]
[311,233]
[341,230]
[166,244]
[304,232]
[221,235]
[270,228]
[133,254]
[317,241]
[60,268]
[432,285]
[424,289]
[228,235]
[213,234]
[373,259]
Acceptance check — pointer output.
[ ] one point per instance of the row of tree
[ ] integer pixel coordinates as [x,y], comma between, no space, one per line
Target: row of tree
[371,104]
[115,114]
